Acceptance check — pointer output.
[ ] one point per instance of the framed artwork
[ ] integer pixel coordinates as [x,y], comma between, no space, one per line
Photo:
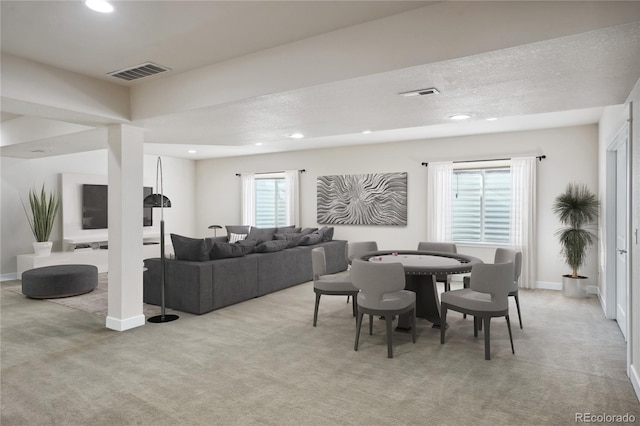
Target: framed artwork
[371,199]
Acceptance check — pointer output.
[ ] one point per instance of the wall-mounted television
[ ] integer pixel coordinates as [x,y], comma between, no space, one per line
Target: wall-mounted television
[95,207]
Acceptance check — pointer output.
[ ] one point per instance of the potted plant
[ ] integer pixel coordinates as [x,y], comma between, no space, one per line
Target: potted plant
[44,208]
[577,208]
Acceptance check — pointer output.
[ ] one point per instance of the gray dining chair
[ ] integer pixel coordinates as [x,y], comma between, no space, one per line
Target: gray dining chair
[382,293]
[443,248]
[503,255]
[357,249]
[486,298]
[329,284]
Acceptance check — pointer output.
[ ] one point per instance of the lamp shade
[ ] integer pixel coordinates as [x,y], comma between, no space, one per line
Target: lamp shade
[156,200]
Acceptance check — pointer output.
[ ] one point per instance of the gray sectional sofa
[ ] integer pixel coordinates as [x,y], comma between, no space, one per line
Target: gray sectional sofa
[201,286]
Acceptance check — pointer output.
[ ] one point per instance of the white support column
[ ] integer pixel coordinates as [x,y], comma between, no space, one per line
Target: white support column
[125,165]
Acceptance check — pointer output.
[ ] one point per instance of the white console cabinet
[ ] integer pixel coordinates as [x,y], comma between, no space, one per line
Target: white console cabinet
[99,258]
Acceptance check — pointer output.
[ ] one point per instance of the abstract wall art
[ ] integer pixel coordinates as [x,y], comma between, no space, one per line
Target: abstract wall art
[371,199]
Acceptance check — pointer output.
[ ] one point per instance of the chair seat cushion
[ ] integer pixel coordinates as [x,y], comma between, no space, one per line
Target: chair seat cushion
[472,300]
[337,282]
[390,301]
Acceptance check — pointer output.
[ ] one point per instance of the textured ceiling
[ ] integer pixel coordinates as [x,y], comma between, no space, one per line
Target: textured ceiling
[555,82]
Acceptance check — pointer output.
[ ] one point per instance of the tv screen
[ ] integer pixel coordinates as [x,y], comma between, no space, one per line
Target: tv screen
[95,207]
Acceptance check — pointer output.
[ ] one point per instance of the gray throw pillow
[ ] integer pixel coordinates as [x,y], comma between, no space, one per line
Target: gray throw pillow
[247,246]
[237,229]
[292,238]
[225,250]
[287,229]
[307,231]
[310,239]
[327,233]
[194,249]
[271,246]
[261,234]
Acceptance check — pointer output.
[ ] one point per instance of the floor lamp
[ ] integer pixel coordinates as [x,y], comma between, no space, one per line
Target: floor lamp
[159,200]
[215,229]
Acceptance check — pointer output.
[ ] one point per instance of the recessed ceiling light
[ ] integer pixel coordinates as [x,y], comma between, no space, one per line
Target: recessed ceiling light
[192,151]
[366,132]
[460,117]
[420,92]
[296,136]
[101,6]
[492,119]
[258,143]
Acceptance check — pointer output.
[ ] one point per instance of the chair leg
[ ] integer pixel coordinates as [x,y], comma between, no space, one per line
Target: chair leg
[510,338]
[487,345]
[443,321]
[358,324]
[354,307]
[348,296]
[413,324]
[370,325]
[518,306]
[315,311]
[388,320]
[475,326]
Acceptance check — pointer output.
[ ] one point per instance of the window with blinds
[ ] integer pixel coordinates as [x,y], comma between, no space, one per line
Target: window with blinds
[270,202]
[481,205]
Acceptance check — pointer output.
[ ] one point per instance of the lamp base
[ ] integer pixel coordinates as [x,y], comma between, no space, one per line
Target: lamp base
[163,318]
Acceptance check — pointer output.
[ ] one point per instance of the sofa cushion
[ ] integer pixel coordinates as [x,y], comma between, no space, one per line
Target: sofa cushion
[271,246]
[225,250]
[234,238]
[291,237]
[261,234]
[237,229]
[194,249]
[310,239]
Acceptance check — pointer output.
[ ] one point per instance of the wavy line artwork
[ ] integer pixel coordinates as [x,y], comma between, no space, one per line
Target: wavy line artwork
[371,199]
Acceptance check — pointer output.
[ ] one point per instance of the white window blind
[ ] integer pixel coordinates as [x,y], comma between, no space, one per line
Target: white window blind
[481,205]
[270,202]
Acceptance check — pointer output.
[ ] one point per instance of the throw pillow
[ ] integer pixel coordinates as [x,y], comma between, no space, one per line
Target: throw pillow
[307,231]
[247,246]
[261,234]
[327,233]
[234,238]
[193,249]
[292,238]
[310,239]
[287,229]
[225,250]
[271,246]
[237,229]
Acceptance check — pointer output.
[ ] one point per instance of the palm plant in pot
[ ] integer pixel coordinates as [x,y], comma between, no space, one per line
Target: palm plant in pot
[577,208]
[44,208]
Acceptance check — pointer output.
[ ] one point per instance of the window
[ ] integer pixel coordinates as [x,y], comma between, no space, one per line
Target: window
[481,205]
[270,202]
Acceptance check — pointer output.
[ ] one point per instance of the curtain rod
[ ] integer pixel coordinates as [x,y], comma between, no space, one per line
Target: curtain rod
[268,173]
[539,157]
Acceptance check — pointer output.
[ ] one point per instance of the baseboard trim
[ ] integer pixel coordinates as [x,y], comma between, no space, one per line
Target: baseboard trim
[125,324]
[547,285]
[9,277]
[635,380]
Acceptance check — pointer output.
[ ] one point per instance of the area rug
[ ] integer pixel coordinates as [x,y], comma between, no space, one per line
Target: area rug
[94,302]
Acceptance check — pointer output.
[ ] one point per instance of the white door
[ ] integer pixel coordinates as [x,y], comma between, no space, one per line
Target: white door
[621,239]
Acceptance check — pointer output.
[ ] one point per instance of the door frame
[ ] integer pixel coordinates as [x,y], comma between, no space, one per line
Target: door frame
[621,139]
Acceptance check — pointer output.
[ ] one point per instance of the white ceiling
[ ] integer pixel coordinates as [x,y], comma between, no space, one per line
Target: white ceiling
[548,83]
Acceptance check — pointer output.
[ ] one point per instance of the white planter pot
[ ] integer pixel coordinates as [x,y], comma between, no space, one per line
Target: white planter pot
[574,287]
[42,248]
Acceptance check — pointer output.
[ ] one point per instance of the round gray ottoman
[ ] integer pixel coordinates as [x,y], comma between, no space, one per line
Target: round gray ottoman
[59,281]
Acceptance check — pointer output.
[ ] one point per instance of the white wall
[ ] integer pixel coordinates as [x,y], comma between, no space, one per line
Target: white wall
[572,156]
[20,175]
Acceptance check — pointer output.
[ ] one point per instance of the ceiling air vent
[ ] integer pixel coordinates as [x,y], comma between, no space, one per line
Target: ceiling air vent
[420,92]
[139,71]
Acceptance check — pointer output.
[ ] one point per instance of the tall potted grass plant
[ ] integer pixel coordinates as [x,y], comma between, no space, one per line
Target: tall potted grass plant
[577,208]
[41,215]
